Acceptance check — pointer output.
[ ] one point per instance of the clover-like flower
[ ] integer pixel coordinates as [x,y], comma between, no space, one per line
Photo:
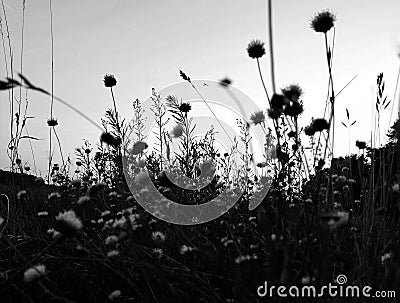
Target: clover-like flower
[323,21]
[109,80]
[256,49]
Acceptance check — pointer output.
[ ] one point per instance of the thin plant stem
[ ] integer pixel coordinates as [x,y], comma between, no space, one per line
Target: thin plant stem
[52,85]
[11,94]
[276,126]
[271,46]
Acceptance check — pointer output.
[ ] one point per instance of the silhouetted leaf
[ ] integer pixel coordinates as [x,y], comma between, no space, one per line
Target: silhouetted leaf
[184,77]
[353,122]
[13,81]
[344,124]
[348,114]
[5,85]
[26,81]
[30,137]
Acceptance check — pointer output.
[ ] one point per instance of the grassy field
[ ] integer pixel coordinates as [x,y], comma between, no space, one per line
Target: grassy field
[80,235]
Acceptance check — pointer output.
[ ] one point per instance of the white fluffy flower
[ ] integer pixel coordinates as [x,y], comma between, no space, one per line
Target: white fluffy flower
[83,200]
[158,237]
[68,223]
[114,295]
[111,240]
[34,273]
[184,249]
[113,253]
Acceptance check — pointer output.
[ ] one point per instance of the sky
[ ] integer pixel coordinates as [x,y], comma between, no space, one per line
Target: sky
[145,44]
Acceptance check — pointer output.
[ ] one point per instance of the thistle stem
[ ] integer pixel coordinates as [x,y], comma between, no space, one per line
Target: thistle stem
[276,125]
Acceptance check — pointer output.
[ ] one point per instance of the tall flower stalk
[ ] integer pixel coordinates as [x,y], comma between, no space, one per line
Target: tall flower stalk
[256,50]
[159,110]
[322,23]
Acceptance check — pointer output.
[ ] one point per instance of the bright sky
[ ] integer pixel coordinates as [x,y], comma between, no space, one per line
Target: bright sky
[145,43]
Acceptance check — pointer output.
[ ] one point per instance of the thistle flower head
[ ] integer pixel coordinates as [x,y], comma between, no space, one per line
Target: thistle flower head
[309,130]
[185,107]
[323,21]
[361,144]
[52,122]
[68,224]
[278,102]
[320,124]
[294,109]
[256,49]
[158,252]
[274,114]
[109,80]
[34,272]
[158,237]
[257,117]
[293,92]
[109,139]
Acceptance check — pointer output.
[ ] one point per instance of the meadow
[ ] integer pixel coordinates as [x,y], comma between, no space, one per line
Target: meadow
[80,235]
